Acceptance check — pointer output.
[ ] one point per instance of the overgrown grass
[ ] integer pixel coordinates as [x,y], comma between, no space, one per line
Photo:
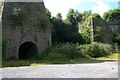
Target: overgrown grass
[18,63]
[66,54]
[110,57]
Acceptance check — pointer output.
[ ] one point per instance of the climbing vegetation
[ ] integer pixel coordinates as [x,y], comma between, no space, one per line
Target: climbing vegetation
[17,17]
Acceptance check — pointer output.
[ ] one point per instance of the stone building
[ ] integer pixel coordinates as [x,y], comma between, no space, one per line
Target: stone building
[26,28]
[106,29]
[101,28]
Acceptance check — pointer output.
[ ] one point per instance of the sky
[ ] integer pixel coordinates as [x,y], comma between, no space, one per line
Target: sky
[96,6]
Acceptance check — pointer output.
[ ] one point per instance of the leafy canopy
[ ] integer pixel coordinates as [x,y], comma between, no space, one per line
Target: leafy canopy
[112,15]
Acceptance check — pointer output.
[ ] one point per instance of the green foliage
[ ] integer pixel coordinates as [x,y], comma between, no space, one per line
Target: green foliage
[66,53]
[86,15]
[87,33]
[75,37]
[112,15]
[4,46]
[37,61]
[61,52]
[68,50]
[67,30]
[96,16]
[99,34]
[116,48]
[17,17]
[48,13]
[100,28]
[73,51]
[70,14]
[59,30]
[63,32]
[74,17]
[116,37]
[45,23]
[77,16]
[96,49]
[59,16]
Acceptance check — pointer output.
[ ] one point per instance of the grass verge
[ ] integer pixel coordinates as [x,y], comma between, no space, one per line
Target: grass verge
[39,62]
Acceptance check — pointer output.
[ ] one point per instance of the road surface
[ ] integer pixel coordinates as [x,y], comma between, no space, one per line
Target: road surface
[81,70]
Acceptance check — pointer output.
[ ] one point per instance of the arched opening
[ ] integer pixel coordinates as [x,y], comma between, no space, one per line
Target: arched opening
[27,50]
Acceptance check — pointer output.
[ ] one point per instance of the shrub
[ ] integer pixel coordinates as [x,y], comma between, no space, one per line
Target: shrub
[61,52]
[116,37]
[87,33]
[116,48]
[96,49]
[66,52]
[76,38]
[69,50]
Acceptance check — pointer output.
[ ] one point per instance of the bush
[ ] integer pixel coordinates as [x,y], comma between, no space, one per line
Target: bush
[116,48]
[96,49]
[66,52]
[87,33]
[115,37]
[76,38]
[61,52]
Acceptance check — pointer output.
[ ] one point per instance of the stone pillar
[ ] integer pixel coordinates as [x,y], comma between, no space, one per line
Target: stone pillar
[93,26]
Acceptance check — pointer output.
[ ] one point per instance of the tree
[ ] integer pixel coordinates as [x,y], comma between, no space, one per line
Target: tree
[59,16]
[87,33]
[74,17]
[70,14]
[86,15]
[112,15]
[96,16]
[48,13]
[62,32]
[77,16]
[59,30]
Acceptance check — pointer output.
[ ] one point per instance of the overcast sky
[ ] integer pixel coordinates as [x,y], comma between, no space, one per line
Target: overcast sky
[96,6]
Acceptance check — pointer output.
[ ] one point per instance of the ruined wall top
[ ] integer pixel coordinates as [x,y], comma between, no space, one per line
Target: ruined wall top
[24,13]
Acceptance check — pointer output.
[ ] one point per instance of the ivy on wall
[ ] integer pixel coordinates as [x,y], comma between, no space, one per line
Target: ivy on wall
[20,18]
[17,17]
[4,45]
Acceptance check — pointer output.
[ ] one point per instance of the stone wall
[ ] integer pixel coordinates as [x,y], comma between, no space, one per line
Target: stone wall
[29,28]
[105,30]
[114,25]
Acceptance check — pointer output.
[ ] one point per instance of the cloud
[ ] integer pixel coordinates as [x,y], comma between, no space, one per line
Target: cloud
[100,7]
[61,6]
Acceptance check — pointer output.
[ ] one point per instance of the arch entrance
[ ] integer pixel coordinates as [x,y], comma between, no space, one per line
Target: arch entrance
[27,50]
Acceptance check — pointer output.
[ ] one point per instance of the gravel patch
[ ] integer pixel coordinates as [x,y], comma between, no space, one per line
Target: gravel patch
[86,70]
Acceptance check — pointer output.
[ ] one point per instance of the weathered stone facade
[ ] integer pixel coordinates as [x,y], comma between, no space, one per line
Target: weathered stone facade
[114,25]
[102,27]
[106,29]
[25,22]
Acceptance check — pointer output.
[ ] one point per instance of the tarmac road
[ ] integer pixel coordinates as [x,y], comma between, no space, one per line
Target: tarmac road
[81,70]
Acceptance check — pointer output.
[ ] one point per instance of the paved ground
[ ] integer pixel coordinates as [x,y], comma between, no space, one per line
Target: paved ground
[86,70]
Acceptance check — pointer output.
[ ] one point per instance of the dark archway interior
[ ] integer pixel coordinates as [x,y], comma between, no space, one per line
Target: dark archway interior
[27,50]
